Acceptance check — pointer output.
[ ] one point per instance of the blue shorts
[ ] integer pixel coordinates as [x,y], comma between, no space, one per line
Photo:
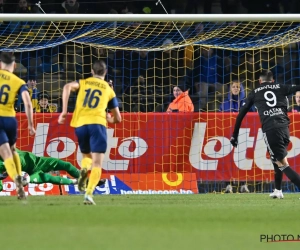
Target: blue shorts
[92,138]
[8,130]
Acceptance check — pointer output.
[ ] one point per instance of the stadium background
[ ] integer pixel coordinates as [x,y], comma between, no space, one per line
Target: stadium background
[146,60]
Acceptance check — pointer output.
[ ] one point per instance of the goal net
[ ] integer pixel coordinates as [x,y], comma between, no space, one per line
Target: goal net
[153,151]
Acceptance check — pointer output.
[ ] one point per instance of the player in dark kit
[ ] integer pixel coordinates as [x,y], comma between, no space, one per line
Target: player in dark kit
[271,103]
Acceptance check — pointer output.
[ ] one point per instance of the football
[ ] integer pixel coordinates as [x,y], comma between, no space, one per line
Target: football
[25,179]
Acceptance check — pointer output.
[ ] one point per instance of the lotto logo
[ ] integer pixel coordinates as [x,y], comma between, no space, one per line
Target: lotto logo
[63,147]
[9,189]
[208,153]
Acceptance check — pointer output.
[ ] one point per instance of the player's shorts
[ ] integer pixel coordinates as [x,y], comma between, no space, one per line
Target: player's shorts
[92,138]
[8,130]
[277,141]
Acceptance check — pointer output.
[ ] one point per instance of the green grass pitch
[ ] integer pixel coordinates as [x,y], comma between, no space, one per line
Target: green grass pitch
[142,222]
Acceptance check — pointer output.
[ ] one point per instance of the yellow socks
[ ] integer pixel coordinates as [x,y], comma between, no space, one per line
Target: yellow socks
[11,168]
[86,163]
[93,180]
[18,163]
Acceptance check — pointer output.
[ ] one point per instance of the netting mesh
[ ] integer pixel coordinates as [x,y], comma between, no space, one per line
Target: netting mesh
[145,61]
[144,80]
[24,36]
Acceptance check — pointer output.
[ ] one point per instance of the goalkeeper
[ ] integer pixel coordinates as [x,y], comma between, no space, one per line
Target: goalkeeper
[38,169]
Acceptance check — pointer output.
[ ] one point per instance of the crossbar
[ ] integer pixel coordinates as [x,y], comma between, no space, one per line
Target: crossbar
[150,17]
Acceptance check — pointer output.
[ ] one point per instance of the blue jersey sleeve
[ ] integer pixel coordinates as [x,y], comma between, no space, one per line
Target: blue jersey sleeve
[113,103]
[23,88]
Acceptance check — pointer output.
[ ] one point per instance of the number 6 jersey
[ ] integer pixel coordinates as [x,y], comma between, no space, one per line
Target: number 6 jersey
[10,87]
[94,97]
[270,100]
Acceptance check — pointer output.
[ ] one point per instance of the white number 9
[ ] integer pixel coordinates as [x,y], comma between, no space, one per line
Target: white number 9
[271,102]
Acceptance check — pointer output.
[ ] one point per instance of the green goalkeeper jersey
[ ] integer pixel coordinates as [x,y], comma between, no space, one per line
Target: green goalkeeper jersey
[31,163]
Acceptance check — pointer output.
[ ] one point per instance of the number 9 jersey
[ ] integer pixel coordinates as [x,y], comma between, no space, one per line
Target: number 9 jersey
[10,87]
[94,97]
[270,100]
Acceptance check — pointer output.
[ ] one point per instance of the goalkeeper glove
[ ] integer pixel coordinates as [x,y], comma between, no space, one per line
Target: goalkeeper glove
[234,141]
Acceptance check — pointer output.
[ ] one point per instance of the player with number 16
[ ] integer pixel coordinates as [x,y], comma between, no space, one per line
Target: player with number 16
[270,100]
[94,96]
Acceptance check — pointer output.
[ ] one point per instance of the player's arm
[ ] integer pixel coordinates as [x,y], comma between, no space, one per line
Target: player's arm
[247,105]
[113,106]
[68,88]
[116,118]
[28,107]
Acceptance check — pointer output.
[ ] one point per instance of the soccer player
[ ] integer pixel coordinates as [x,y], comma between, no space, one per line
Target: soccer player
[38,169]
[271,103]
[89,120]
[10,87]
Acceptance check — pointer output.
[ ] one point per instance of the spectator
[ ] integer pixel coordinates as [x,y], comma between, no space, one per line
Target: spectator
[43,105]
[295,107]
[141,95]
[33,92]
[235,99]
[136,66]
[206,67]
[182,101]
[23,7]
[167,70]
[249,71]
[69,7]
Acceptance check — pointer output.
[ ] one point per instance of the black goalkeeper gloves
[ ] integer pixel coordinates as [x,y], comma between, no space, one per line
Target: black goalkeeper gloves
[234,141]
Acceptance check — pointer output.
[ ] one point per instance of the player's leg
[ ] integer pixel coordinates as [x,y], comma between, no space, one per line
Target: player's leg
[6,155]
[67,167]
[94,176]
[288,171]
[47,164]
[41,177]
[98,145]
[278,175]
[278,143]
[8,137]
[82,134]
[271,139]
[277,193]
[16,159]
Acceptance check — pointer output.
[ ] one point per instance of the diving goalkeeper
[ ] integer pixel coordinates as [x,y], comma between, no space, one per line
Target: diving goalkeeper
[38,169]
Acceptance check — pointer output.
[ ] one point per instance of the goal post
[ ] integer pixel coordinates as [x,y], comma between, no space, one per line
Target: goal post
[153,151]
[152,17]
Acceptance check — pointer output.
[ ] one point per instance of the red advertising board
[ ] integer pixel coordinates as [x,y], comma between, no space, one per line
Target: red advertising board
[122,183]
[162,143]
[9,189]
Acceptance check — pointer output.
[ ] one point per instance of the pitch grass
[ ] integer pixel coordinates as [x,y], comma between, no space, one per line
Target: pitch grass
[168,222]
